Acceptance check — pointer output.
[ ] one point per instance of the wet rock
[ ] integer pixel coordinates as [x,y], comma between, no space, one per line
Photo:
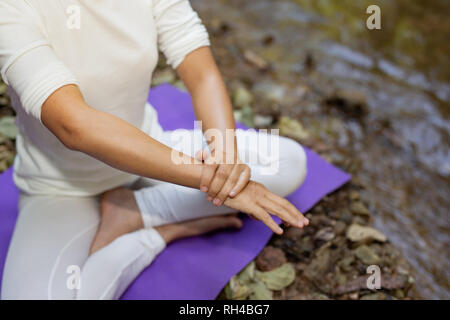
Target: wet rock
[360,234]
[339,228]
[345,263]
[270,258]
[255,60]
[360,209]
[354,195]
[292,128]
[326,234]
[366,255]
[294,233]
[351,103]
[263,121]
[359,220]
[346,217]
[242,97]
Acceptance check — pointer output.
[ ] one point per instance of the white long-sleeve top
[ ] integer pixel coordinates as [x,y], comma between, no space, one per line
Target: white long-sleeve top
[109,48]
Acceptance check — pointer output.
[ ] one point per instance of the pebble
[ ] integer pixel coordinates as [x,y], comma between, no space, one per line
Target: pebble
[366,255]
[326,234]
[242,97]
[358,233]
[360,209]
[261,121]
[270,258]
[252,58]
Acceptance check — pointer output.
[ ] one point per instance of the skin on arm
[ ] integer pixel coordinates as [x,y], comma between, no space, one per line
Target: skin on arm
[122,146]
[212,106]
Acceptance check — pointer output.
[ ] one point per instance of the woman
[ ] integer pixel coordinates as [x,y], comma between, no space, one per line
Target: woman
[99,187]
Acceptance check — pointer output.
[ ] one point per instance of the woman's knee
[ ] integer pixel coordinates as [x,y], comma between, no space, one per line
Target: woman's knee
[293,163]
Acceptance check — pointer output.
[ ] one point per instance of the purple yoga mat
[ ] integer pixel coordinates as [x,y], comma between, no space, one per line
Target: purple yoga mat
[199,267]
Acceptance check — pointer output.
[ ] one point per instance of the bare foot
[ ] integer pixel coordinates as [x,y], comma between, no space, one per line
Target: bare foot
[119,215]
[172,232]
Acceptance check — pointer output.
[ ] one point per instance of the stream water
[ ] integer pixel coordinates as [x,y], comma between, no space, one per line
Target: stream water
[402,144]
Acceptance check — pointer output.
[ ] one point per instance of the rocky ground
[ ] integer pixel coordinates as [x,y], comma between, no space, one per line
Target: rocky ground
[329,258]
[7,130]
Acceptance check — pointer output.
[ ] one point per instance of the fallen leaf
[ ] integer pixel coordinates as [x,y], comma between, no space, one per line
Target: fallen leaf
[278,278]
[260,292]
[8,127]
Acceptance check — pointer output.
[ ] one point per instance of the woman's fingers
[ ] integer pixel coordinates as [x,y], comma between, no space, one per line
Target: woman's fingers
[228,186]
[220,181]
[208,172]
[220,177]
[278,210]
[242,181]
[289,207]
[262,215]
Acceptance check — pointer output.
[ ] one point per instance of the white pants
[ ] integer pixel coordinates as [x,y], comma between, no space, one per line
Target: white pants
[48,255]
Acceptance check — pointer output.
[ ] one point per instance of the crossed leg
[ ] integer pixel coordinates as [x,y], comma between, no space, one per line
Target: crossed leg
[55,235]
[156,204]
[50,249]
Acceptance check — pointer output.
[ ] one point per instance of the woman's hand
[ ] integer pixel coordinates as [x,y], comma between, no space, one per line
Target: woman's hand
[257,201]
[220,179]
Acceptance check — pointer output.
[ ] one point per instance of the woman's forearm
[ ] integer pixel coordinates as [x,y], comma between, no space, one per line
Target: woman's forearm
[114,141]
[211,101]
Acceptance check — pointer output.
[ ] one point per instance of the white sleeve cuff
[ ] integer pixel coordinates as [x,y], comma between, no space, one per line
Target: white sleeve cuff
[43,84]
[180,30]
[34,74]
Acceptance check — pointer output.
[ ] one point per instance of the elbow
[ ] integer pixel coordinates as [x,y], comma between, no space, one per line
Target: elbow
[66,114]
[71,135]
[68,127]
